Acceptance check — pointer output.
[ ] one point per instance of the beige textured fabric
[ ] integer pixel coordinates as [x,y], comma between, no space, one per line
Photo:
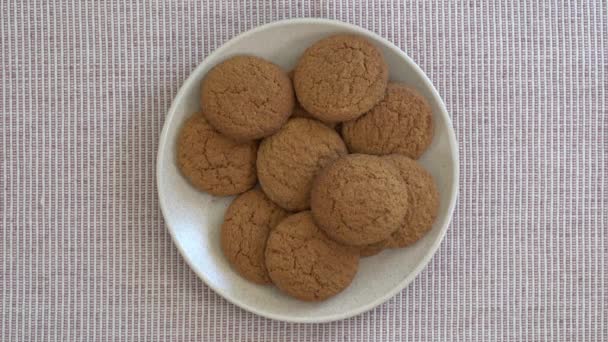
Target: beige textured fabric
[85,87]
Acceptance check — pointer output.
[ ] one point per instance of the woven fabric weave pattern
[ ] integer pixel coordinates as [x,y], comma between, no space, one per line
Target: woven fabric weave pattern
[85,87]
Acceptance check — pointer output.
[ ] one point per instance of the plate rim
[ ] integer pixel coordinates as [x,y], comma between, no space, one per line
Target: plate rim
[162,142]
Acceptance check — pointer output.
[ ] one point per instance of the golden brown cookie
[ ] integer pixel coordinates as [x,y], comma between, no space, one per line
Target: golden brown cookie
[289,160]
[359,199]
[401,123]
[246,226]
[246,97]
[303,262]
[424,201]
[340,77]
[372,248]
[214,163]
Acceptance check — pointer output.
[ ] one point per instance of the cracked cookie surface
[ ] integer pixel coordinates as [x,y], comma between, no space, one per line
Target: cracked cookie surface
[247,223]
[303,262]
[359,199]
[401,123]
[424,201]
[247,97]
[212,162]
[299,112]
[340,77]
[289,160]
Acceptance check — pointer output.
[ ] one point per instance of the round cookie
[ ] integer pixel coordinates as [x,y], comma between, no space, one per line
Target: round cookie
[424,201]
[401,123]
[372,248]
[246,226]
[289,160]
[340,77]
[247,98]
[359,199]
[212,162]
[303,262]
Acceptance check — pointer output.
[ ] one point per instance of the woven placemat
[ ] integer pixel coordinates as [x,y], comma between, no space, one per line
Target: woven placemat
[85,87]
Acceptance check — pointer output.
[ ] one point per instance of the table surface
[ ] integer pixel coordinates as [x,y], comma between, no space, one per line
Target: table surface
[85,89]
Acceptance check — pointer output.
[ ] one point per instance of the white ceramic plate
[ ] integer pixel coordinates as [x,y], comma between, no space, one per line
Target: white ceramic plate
[194,218]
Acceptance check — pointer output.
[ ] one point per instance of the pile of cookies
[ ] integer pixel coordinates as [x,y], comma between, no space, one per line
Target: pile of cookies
[334,147]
